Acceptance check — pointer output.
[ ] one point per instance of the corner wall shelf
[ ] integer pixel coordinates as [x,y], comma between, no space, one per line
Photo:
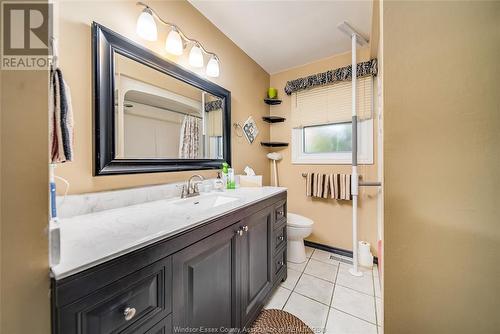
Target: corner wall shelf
[273,119]
[273,144]
[273,102]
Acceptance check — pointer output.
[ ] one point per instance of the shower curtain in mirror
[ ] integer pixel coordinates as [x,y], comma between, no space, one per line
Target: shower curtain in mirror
[190,138]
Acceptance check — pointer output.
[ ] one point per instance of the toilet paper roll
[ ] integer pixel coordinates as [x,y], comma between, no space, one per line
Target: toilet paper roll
[365,256]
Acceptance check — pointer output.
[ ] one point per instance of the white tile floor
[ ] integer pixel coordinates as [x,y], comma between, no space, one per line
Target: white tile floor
[323,294]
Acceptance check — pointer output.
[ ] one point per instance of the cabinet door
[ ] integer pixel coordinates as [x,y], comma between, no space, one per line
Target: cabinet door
[204,277]
[256,263]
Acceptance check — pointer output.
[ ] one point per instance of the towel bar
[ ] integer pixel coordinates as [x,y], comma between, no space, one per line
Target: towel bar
[361,183]
[369,184]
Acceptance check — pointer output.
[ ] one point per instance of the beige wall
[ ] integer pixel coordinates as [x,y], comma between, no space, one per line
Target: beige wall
[246,80]
[24,273]
[333,220]
[442,159]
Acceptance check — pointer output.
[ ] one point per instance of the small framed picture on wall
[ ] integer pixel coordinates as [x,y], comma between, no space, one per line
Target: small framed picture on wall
[250,129]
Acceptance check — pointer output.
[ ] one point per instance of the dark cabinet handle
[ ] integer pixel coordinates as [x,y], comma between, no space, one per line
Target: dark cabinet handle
[239,232]
[245,228]
[129,313]
[280,213]
[281,238]
[281,263]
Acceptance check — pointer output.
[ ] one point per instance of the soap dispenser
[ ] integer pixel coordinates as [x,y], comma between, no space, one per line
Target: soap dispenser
[231,183]
[218,183]
[225,168]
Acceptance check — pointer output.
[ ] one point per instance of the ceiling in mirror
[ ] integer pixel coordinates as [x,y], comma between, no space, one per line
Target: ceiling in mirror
[161,117]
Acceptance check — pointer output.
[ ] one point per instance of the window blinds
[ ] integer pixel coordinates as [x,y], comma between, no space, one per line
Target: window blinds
[332,103]
[214,123]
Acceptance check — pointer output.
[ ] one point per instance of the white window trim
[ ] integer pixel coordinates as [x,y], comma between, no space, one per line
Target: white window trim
[365,149]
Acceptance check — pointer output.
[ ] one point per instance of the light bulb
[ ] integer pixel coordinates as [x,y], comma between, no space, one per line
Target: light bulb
[213,67]
[146,25]
[174,44]
[196,56]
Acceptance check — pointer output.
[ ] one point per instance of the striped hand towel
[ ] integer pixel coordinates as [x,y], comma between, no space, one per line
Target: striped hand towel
[317,185]
[340,185]
[334,186]
[60,119]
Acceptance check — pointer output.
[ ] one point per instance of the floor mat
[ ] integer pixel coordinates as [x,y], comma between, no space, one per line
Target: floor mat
[278,321]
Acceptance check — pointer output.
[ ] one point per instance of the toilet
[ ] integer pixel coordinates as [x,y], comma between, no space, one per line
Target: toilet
[298,227]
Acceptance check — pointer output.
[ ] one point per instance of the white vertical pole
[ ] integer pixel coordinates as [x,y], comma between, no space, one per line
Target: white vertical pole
[275,167]
[354,176]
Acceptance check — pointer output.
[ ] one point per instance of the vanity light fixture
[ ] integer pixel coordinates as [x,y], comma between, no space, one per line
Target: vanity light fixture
[146,25]
[176,41]
[213,67]
[196,57]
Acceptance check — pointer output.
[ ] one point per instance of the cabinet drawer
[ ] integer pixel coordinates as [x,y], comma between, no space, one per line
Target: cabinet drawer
[163,327]
[124,306]
[279,237]
[280,212]
[279,262]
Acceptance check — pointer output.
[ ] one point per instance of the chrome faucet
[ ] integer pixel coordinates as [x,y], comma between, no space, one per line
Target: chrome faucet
[191,188]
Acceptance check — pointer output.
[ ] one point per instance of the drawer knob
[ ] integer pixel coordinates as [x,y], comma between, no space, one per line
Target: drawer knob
[129,313]
[245,228]
[280,212]
[281,238]
[239,232]
[281,263]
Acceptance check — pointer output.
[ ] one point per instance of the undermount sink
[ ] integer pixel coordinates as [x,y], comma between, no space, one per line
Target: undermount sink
[204,202]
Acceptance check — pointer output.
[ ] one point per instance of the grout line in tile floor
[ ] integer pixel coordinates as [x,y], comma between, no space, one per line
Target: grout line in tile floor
[354,316]
[303,272]
[325,280]
[292,290]
[364,293]
[314,300]
[331,298]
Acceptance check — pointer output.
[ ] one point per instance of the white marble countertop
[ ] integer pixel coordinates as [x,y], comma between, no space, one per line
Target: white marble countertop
[90,239]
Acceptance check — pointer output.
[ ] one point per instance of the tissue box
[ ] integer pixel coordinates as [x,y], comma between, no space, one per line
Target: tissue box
[251,181]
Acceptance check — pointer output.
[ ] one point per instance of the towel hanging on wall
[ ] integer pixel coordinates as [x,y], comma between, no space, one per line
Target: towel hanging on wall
[60,119]
[334,186]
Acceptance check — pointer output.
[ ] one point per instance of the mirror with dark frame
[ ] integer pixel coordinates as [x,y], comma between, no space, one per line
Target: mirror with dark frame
[152,115]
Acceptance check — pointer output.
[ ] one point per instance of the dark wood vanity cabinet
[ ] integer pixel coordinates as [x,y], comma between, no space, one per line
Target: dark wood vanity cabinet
[223,280]
[255,262]
[217,276]
[205,282]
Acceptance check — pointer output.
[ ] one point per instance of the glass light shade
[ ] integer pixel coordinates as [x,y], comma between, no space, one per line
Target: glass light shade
[213,67]
[174,44]
[196,56]
[146,26]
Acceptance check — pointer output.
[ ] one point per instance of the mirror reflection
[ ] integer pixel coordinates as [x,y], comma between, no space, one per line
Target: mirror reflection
[160,117]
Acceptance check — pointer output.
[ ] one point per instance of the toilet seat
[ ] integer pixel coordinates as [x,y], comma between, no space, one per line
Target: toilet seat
[295,220]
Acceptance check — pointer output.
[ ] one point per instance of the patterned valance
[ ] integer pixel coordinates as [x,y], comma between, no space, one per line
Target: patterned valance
[340,74]
[213,105]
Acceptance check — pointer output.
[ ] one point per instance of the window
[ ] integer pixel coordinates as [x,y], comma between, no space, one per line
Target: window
[331,143]
[322,127]
[327,138]
[216,147]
